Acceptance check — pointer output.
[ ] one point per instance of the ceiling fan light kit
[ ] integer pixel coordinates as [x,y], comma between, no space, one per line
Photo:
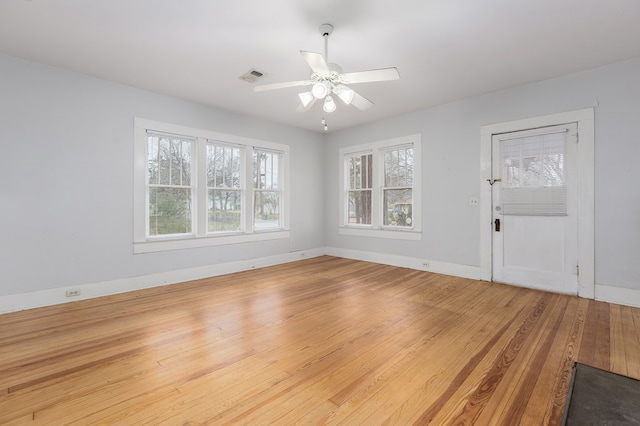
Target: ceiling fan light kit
[329,104]
[321,89]
[327,78]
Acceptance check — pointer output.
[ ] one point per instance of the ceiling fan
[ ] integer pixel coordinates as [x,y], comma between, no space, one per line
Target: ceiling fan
[327,79]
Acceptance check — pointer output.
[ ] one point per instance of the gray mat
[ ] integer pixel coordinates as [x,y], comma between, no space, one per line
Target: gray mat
[598,397]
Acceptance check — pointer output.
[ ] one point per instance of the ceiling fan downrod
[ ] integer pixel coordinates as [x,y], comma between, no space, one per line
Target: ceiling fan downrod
[325,32]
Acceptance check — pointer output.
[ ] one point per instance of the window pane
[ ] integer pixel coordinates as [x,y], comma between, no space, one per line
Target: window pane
[535,161]
[398,167]
[398,205]
[360,207]
[266,210]
[152,159]
[223,166]
[360,171]
[169,211]
[224,210]
[185,163]
[164,159]
[168,161]
[266,168]
[533,175]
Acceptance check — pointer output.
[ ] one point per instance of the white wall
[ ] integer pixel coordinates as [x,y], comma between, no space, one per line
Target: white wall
[66,181]
[451,169]
[66,176]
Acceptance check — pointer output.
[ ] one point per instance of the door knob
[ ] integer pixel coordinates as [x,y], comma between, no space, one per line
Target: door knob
[497,225]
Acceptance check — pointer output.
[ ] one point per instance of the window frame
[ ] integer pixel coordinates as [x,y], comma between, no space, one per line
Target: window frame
[170,185]
[377,228]
[241,187]
[255,189]
[201,237]
[348,189]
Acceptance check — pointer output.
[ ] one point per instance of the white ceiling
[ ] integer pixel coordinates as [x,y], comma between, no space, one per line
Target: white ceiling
[444,49]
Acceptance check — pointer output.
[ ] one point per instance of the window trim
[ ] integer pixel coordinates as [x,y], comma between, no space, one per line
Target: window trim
[200,238]
[377,229]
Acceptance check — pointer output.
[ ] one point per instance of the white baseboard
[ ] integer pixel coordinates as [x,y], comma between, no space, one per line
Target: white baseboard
[55,296]
[618,295]
[464,271]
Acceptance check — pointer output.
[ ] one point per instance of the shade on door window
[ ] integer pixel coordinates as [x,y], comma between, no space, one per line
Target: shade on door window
[533,174]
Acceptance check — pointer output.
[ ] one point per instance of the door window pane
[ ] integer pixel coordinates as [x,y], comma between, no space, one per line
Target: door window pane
[533,175]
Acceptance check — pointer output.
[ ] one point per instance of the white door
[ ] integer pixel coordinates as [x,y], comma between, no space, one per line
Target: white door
[534,208]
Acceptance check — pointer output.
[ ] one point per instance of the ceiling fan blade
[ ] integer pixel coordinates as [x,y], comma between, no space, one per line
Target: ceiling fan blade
[273,86]
[302,108]
[361,102]
[384,74]
[316,62]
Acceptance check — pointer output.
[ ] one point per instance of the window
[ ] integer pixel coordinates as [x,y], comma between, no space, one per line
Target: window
[377,189]
[196,188]
[533,173]
[169,175]
[397,189]
[266,189]
[359,167]
[224,178]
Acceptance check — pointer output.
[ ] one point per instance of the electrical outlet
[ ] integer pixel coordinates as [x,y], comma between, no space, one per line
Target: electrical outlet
[473,201]
[303,254]
[425,264]
[73,293]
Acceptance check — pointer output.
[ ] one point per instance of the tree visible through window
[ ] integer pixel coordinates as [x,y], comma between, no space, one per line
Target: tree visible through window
[398,187]
[224,188]
[200,188]
[266,189]
[360,174]
[379,192]
[169,171]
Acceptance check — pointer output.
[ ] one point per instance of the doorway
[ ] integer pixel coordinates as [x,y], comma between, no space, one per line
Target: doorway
[537,203]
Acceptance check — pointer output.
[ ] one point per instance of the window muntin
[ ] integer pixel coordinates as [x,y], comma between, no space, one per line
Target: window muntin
[397,191]
[266,189]
[170,190]
[359,169]
[224,188]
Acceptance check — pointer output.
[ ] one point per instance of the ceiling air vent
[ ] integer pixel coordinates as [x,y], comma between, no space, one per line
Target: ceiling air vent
[251,75]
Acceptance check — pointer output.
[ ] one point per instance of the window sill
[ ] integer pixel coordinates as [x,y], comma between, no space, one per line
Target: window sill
[381,233]
[153,246]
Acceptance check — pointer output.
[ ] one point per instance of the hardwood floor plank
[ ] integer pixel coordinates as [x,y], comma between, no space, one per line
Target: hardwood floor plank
[596,340]
[555,375]
[520,395]
[618,358]
[320,341]
[456,404]
[631,331]
[475,405]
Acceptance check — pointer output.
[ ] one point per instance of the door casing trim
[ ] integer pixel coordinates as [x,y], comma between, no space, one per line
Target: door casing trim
[586,203]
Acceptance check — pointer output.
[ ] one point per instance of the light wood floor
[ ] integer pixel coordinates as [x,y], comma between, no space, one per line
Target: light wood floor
[321,341]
